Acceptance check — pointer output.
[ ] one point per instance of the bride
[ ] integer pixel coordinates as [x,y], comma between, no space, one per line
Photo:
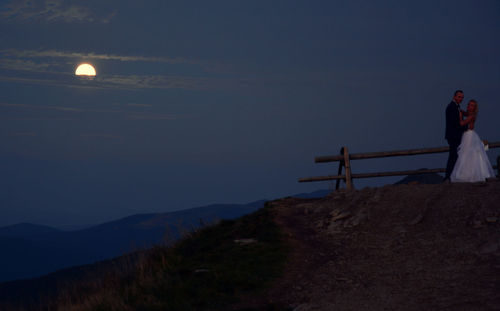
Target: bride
[473,164]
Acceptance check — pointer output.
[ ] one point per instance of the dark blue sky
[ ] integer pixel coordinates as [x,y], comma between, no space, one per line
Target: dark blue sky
[200,102]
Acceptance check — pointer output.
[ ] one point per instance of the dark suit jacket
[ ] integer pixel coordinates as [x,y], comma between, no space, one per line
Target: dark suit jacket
[454,130]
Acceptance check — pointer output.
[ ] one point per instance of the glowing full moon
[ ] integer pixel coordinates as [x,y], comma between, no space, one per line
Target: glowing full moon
[85,70]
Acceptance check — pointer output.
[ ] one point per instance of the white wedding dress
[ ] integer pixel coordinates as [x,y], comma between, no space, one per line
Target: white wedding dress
[473,164]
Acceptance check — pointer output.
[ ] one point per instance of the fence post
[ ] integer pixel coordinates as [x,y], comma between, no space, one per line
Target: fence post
[341,163]
[347,165]
[498,166]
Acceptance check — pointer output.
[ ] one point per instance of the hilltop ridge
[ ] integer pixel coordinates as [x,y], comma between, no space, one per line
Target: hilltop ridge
[401,247]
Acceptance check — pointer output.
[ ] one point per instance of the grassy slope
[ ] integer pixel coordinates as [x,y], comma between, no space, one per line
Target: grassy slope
[207,270]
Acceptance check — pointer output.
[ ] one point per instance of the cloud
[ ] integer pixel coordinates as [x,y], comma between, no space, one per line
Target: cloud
[23,134]
[126,113]
[136,82]
[50,82]
[68,109]
[48,61]
[99,135]
[50,11]
[162,82]
[21,64]
[14,53]
[140,105]
[153,117]
[35,119]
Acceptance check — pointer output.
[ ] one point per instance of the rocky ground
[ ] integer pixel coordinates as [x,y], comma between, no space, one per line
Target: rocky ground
[403,247]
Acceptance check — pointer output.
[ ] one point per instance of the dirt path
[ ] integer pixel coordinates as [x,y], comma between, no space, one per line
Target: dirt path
[406,247]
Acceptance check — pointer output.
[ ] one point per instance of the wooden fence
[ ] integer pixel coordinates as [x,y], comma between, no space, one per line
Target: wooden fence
[345,158]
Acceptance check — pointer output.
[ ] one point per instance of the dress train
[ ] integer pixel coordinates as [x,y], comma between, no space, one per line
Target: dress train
[473,164]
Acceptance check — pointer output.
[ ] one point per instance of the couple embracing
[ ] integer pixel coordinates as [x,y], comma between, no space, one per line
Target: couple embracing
[467,161]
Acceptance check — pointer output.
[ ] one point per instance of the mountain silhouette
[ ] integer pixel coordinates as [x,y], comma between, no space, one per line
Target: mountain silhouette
[30,250]
[26,230]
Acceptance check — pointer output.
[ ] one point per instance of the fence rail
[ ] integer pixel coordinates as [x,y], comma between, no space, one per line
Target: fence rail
[344,162]
[384,154]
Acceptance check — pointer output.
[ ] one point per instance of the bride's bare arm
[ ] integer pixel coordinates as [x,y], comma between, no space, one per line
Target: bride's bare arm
[469,121]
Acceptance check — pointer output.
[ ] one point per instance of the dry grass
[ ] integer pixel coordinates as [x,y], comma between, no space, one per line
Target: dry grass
[206,270]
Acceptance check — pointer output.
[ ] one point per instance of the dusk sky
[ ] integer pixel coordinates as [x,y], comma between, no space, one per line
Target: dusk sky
[202,102]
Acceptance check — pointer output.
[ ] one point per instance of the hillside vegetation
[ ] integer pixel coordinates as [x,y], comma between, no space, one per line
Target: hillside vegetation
[30,250]
[401,247]
[209,269]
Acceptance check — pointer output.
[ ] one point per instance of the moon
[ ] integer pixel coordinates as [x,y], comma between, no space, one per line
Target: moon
[86,70]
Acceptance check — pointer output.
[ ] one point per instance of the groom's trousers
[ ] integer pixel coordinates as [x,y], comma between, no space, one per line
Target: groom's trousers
[452,157]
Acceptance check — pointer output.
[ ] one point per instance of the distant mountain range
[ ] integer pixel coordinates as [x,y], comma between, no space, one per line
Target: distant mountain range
[431,178]
[26,230]
[30,250]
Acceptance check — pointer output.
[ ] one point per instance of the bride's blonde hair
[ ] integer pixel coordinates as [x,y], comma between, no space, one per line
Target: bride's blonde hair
[475,104]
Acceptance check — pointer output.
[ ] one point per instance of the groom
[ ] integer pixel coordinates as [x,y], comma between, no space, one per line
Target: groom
[454,131]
